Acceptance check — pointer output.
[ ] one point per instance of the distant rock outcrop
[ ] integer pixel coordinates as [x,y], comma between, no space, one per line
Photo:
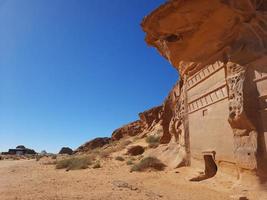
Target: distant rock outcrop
[93,144]
[66,150]
[131,129]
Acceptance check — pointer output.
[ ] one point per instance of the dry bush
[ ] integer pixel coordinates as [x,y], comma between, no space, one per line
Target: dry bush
[129,162]
[153,139]
[38,157]
[153,145]
[96,165]
[51,162]
[149,163]
[119,158]
[54,157]
[74,163]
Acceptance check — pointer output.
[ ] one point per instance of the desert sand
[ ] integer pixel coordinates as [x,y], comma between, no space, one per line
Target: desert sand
[31,180]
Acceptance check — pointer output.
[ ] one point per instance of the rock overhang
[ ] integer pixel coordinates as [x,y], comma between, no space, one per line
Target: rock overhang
[194,33]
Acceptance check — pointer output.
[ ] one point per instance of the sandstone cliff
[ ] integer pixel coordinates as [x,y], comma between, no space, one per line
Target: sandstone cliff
[231,34]
[218,107]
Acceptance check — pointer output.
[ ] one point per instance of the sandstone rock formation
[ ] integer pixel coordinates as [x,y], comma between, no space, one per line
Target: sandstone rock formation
[135,150]
[219,104]
[219,49]
[93,144]
[131,129]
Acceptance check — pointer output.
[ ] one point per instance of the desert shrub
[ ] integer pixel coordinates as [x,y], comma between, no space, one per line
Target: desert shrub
[149,163]
[30,156]
[54,157]
[129,162]
[135,139]
[74,163]
[96,165]
[140,157]
[38,157]
[153,145]
[152,139]
[119,158]
[50,162]
[125,143]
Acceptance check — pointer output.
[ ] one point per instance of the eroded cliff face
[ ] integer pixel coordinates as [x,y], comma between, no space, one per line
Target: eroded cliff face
[219,49]
[219,105]
[192,34]
[208,39]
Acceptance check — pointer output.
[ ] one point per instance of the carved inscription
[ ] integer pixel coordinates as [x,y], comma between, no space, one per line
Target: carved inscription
[208,99]
[204,74]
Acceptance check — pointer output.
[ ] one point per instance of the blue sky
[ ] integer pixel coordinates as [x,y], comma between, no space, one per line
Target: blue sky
[72,70]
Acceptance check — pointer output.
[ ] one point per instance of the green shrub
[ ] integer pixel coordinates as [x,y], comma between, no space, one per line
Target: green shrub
[152,139]
[74,163]
[149,163]
[119,158]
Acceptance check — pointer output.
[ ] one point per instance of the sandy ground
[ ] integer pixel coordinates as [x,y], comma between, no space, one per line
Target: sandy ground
[31,180]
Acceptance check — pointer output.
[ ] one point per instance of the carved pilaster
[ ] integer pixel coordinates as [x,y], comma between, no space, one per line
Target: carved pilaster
[245,134]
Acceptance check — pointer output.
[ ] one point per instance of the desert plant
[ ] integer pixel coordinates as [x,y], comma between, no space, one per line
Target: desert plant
[152,139]
[119,158]
[54,157]
[96,165]
[125,143]
[38,157]
[129,162]
[149,163]
[50,162]
[153,145]
[74,163]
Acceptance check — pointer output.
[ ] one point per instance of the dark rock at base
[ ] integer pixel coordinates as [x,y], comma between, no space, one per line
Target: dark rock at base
[66,150]
[136,150]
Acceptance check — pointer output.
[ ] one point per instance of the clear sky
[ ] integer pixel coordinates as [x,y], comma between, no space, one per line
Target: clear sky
[72,70]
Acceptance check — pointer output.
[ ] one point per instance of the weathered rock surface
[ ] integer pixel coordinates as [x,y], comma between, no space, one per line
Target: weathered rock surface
[93,144]
[131,129]
[192,34]
[187,34]
[135,150]
[219,48]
